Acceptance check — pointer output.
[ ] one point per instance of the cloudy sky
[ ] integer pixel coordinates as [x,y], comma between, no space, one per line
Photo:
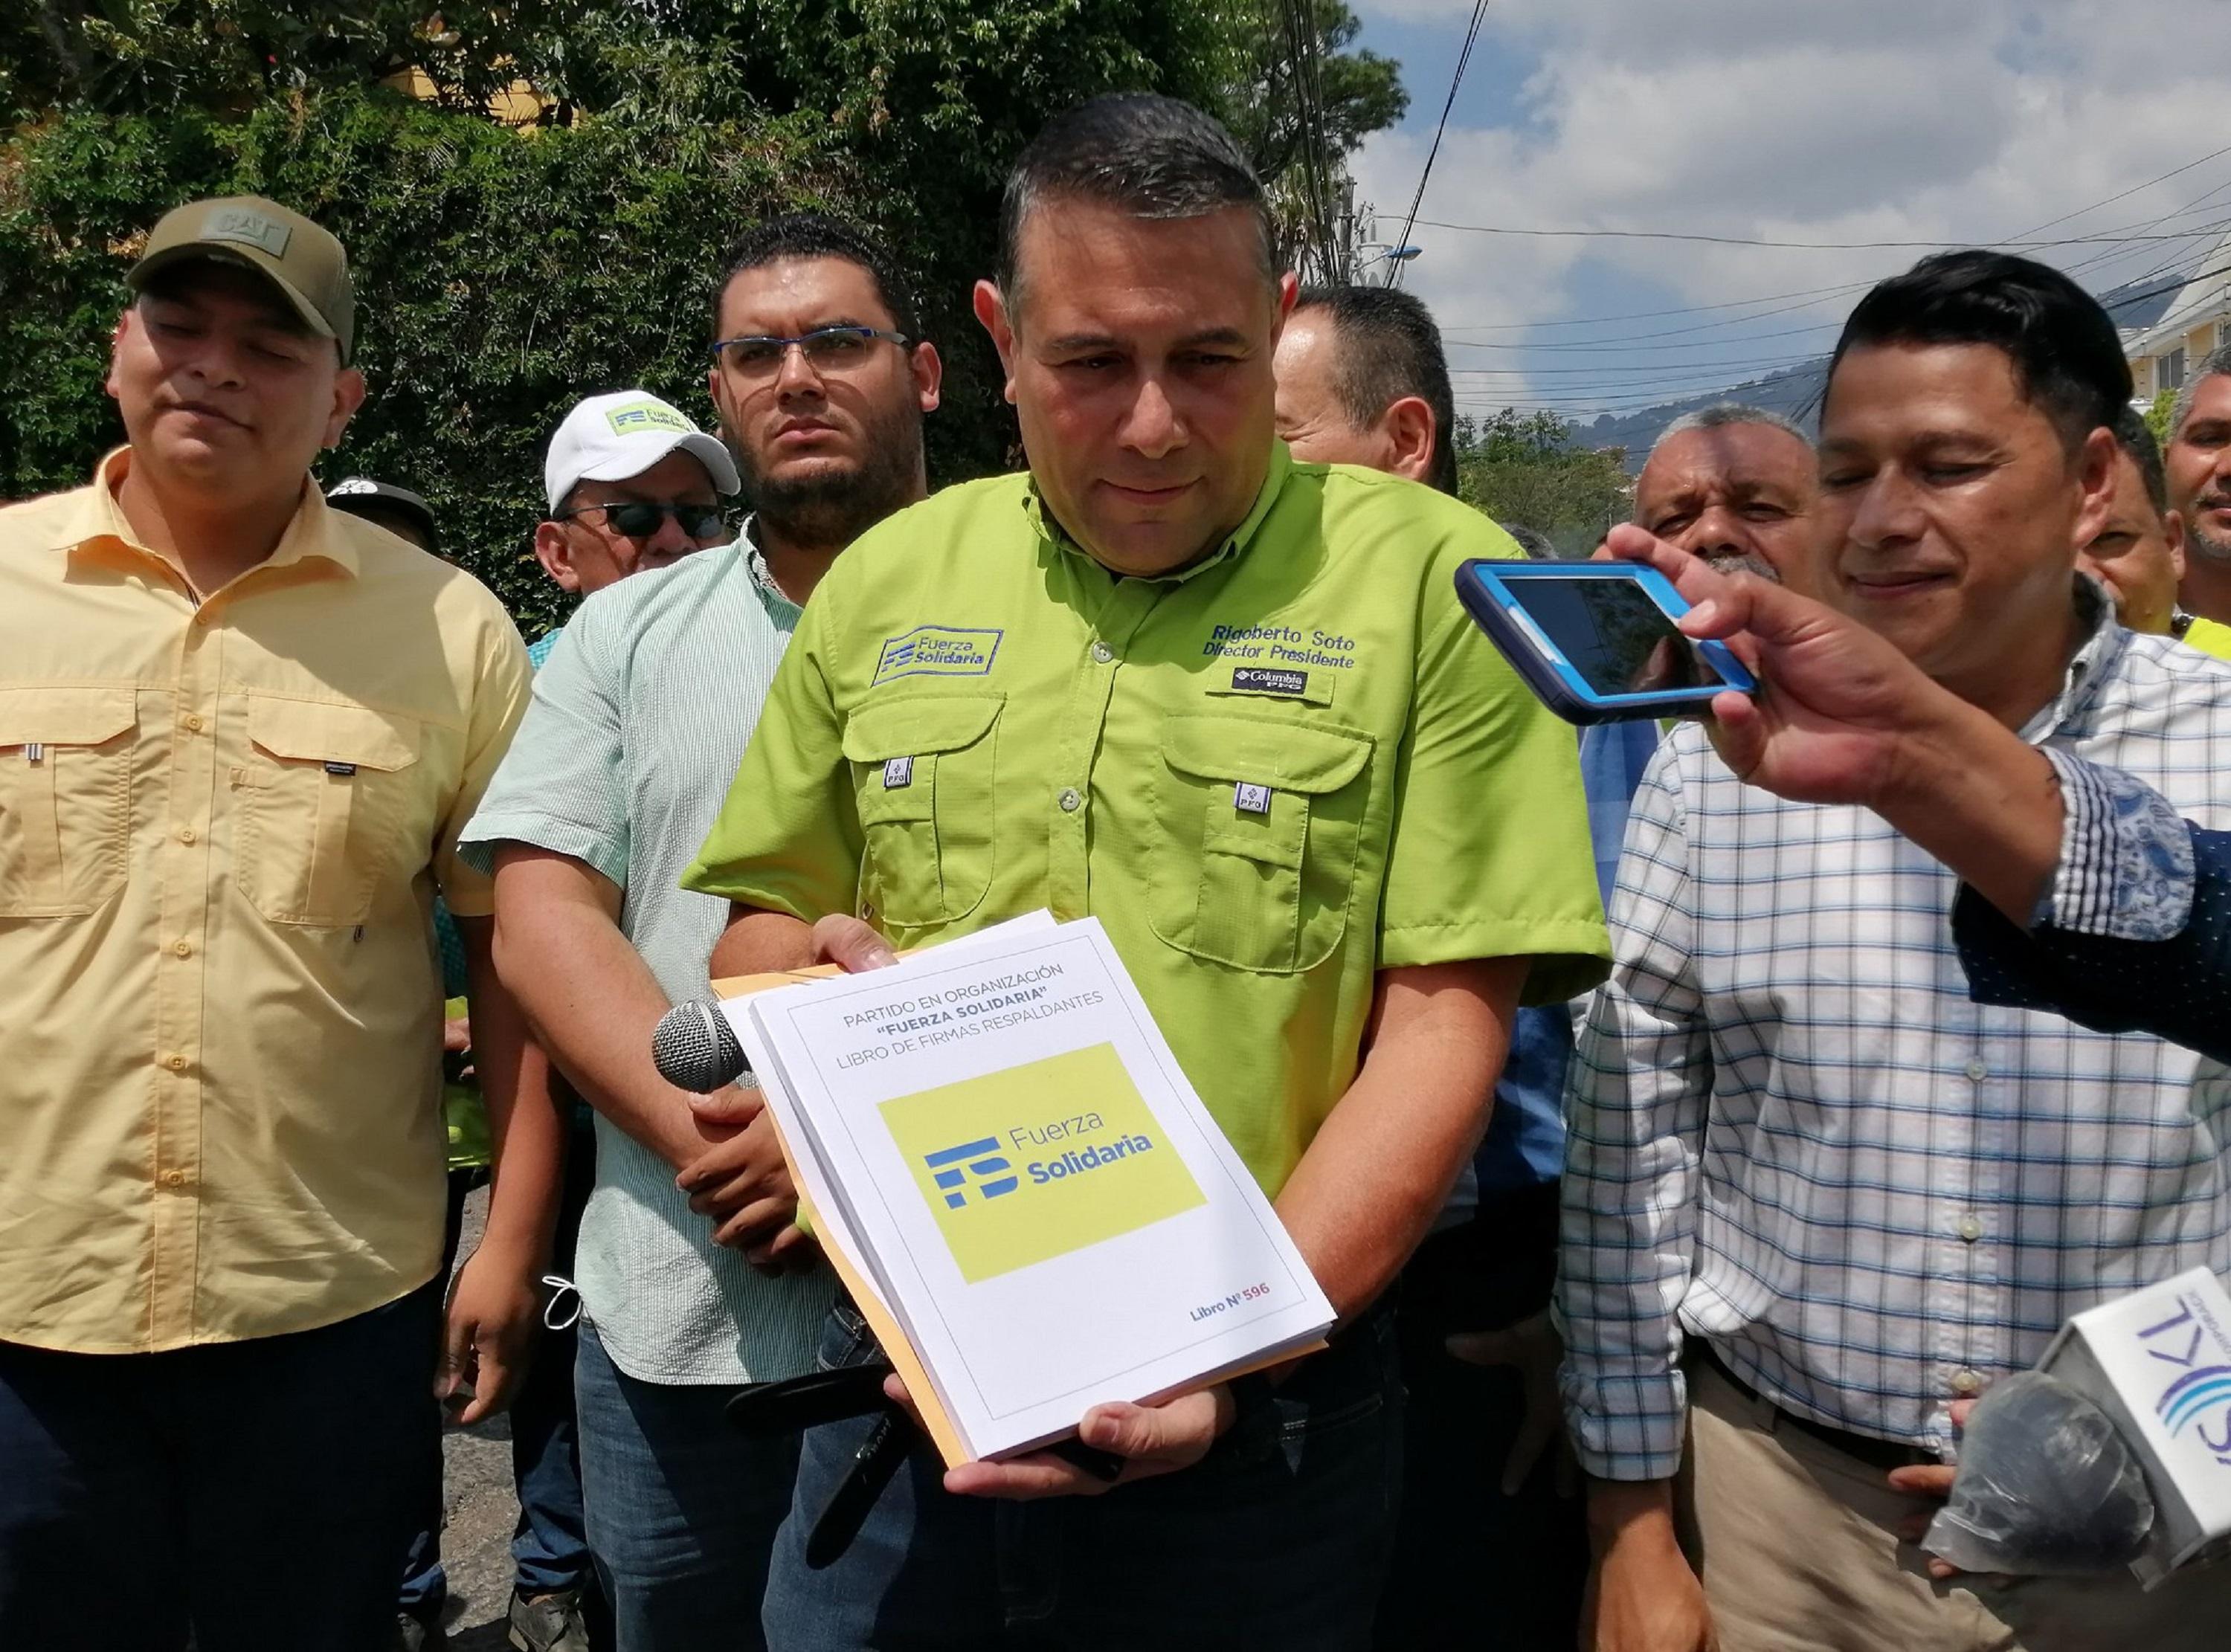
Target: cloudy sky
[1938,121]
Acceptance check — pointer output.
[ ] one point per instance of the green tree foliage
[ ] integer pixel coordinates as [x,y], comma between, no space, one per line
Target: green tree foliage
[1526,468]
[503,274]
[499,278]
[2164,404]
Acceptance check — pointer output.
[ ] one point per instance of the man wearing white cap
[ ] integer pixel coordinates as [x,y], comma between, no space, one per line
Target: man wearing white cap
[686,1254]
[632,485]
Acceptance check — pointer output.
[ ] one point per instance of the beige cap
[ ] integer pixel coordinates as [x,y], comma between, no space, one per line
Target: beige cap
[306,263]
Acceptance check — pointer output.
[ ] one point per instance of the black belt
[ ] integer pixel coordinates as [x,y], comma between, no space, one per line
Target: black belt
[1884,1454]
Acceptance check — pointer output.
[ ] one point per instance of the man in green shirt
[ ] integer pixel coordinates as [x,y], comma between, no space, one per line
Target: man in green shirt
[1229,704]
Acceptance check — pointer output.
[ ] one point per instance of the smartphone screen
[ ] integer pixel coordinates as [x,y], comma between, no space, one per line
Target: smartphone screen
[1618,640]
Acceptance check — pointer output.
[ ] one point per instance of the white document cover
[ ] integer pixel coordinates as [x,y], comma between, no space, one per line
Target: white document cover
[998,1136]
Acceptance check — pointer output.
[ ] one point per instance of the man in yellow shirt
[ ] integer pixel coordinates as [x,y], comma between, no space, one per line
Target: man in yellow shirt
[239,732]
[2140,553]
[1229,704]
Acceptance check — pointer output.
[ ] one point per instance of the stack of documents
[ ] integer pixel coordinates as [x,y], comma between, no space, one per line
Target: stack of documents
[1032,1206]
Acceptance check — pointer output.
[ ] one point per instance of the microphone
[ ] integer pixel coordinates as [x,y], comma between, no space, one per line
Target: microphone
[694,1047]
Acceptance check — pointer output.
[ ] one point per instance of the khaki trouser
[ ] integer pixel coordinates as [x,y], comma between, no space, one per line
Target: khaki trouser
[1797,1544]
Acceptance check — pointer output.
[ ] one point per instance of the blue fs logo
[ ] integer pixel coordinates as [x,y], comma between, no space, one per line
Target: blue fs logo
[953,1167]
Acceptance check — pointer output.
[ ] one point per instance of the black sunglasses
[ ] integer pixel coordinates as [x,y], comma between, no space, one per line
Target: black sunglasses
[639,518]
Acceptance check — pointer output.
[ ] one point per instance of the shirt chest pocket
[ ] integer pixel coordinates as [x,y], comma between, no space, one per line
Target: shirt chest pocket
[323,798]
[66,758]
[1260,820]
[923,771]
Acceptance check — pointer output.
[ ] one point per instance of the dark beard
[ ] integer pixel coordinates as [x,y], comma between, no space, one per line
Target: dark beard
[832,504]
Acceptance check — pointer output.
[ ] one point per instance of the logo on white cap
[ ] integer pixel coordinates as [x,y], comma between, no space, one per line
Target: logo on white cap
[612,437]
[649,414]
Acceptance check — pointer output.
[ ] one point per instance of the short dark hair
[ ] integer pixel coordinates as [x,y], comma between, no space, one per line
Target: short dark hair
[2067,358]
[2133,435]
[1385,347]
[1150,156]
[813,235]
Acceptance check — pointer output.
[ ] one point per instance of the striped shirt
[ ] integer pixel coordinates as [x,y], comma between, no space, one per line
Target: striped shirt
[1793,1134]
[637,724]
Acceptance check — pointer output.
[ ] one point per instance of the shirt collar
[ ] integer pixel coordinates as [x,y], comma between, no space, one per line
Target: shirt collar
[313,530]
[2089,669]
[1238,540]
[783,611]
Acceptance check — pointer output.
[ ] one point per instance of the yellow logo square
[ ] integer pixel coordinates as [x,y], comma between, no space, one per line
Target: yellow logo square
[1031,1163]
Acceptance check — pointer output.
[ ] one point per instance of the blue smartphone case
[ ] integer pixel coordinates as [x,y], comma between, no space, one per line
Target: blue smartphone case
[1490,594]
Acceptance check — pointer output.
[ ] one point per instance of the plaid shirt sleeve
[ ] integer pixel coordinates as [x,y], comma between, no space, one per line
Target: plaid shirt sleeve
[1635,1106]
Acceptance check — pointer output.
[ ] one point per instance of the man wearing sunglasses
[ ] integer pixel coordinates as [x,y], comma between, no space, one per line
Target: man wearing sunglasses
[691,1280]
[633,485]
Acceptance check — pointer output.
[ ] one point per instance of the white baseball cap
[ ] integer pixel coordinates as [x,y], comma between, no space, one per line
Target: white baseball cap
[611,438]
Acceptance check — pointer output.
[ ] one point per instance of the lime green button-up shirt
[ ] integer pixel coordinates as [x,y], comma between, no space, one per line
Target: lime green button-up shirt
[1270,776]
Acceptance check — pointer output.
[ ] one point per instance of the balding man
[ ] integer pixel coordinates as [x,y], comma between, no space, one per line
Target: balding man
[1734,485]
[1362,380]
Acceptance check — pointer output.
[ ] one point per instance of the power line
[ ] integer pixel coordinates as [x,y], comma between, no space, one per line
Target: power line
[2133,189]
[1791,246]
[1418,196]
[1824,293]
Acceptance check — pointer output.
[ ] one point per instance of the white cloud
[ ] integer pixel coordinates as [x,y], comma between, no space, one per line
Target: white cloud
[1900,120]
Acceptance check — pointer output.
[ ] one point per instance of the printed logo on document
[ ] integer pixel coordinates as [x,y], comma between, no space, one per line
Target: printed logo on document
[1036,1161]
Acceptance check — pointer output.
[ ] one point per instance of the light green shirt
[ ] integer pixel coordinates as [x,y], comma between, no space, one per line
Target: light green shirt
[637,726]
[1270,776]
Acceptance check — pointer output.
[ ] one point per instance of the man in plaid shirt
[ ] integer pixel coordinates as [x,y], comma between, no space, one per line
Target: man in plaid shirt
[1815,1196]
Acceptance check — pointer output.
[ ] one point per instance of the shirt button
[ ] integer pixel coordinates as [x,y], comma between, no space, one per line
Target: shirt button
[174,1179]
[1965,1382]
[1101,652]
[1971,1228]
[176,1063]
[193,723]
[1978,1072]
[186,834]
[1068,800]
[183,949]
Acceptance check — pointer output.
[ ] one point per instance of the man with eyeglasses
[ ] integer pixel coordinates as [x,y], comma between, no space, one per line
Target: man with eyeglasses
[690,1284]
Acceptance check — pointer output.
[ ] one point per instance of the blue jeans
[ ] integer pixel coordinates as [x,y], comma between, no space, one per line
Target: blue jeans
[256,1491]
[549,1546]
[682,1509]
[1278,1537]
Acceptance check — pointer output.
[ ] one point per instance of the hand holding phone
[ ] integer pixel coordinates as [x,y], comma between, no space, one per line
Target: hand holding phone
[1597,642]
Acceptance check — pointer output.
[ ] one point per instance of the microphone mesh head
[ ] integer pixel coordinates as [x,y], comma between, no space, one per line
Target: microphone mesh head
[695,1048]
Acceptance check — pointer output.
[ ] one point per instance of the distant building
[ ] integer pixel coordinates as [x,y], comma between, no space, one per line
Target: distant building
[2198,319]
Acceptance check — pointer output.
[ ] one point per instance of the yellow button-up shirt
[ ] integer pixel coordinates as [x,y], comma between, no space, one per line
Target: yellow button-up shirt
[222,824]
